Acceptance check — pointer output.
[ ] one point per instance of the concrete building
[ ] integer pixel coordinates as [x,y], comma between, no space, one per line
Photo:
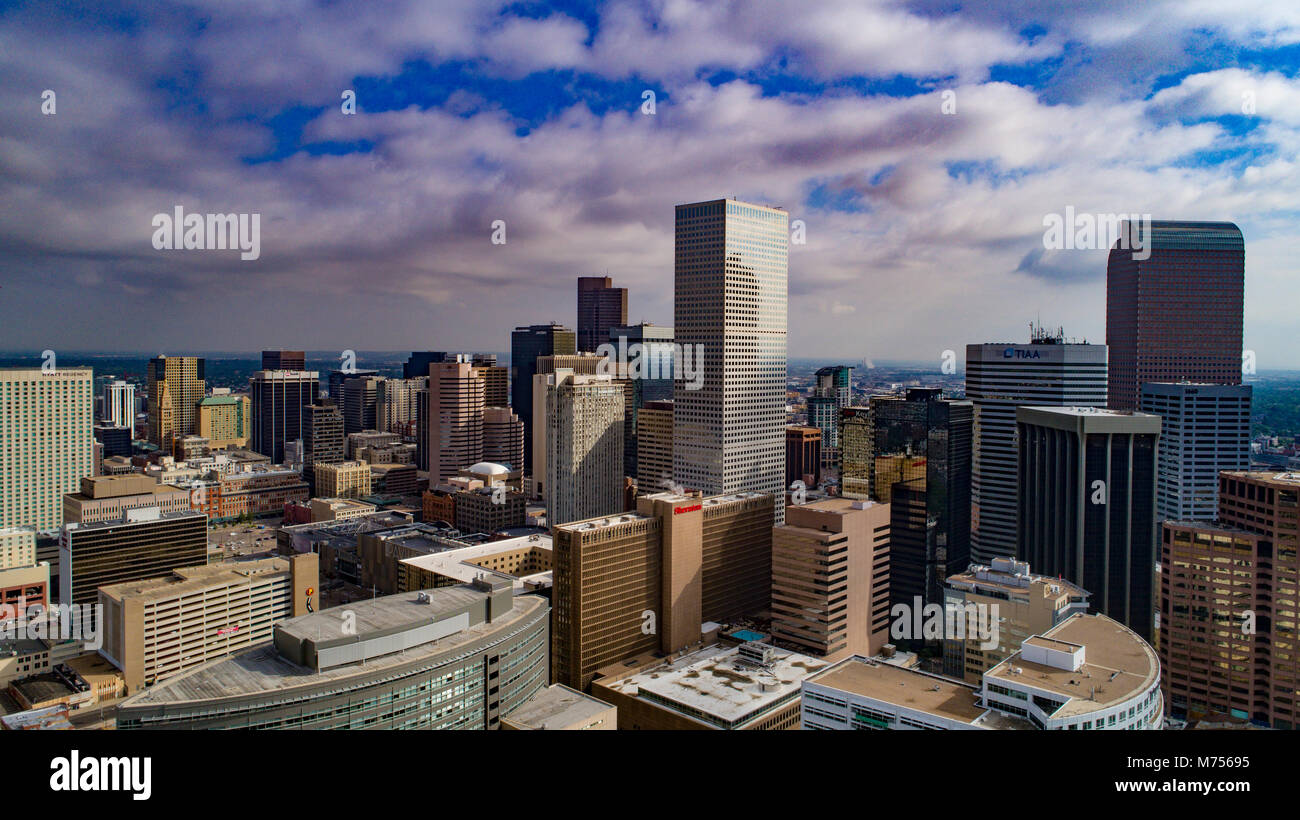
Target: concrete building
[503,437]
[654,444]
[280,399]
[338,509]
[24,580]
[601,306]
[461,657]
[1020,603]
[226,421]
[455,417]
[46,443]
[395,405]
[361,402]
[578,440]
[730,294]
[1049,371]
[322,439]
[393,480]
[1089,672]
[496,381]
[1204,430]
[119,404]
[346,479]
[107,498]
[157,628]
[490,510]
[832,391]
[830,578]
[559,708]
[748,687]
[524,561]
[338,377]
[1174,308]
[1087,505]
[176,386]
[1227,605]
[526,344]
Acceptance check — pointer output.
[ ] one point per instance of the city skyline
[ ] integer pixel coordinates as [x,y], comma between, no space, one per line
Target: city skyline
[918,143]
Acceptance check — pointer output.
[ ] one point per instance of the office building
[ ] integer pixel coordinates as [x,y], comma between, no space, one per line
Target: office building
[1008,594]
[730,294]
[46,443]
[176,386]
[455,418]
[284,360]
[338,377]
[832,391]
[654,445]
[361,403]
[579,443]
[489,510]
[643,581]
[921,464]
[601,306]
[526,344]
[226,421]
[145,544]
[157,628]
[108,498]
[1087,673]
[1049,371]
[1175,315]
[649,351]
[460,657]
[113,441]
[119,404]
[395,405]
[280,399]
[503,437]
[1204,430]
[393,481]
[24,580]
[857,461]
[496,380]
[1228,596]
[322,439]
[1087,505]
[524,561]
[830,578]
[343,479]
[803,455]
[256,491]
[417,364]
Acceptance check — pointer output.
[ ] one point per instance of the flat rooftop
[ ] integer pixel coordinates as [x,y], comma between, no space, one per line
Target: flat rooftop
[186,580]
[912,689]
[462,565]
[713,681]
[558,707]
[1118,665]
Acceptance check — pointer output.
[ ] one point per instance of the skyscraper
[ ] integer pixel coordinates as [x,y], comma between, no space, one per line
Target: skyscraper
[455,417]
[649,352]
[284,360]
[361,403]
[46,443]
[831,393]
[1087,483]
[921,464]
[225,421]
[654,444]
[1176,315]
[579,432]
[396,406]
[503,437]
[176,386]
[322,438]
[730,292]
[601,306]
[119,404]
[1205,429]
[338,377]
[280,399]
[526,344]
[999,378]
[496,381]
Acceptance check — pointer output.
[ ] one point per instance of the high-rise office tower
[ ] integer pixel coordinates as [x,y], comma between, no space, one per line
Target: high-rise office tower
[46,443]
[830,578]
[176,386]
[113,441]
[643,581]
[1228,597]
[322,438]
[361,403]
[417,364]
[496,381]
[338,377]
[803,455]
[503,437]
[226,421]
[396,406]
[1205,429]
[856,459]
[119,404]
[730,292]
[648,350]
[921,463]
[601,306]
[578,439]
[284,360]
[526,344]
[1087,506]
[455,418]
[831,393]
[654,444]
[280,399]
[999,378]
[1175,315]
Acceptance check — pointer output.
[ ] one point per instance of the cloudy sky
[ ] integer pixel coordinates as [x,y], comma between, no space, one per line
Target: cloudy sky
[924,210]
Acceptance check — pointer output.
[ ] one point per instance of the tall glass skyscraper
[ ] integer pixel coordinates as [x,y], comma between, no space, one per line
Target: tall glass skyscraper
[526,344]
[1177,314]
[730,293]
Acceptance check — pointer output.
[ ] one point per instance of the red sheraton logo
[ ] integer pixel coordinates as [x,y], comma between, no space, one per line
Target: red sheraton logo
[691,508]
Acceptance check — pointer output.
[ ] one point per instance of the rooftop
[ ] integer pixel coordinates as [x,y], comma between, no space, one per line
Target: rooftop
[463,564]
[186,580]
[558,707]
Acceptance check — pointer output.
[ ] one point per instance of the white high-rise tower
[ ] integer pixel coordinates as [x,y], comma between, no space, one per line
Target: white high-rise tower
[730,290]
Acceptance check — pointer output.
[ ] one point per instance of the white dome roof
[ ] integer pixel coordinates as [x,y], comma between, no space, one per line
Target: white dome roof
[488,468]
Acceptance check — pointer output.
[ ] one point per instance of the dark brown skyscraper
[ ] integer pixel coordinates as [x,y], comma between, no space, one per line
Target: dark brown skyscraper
[284,360]
[601,306]
[1174,308]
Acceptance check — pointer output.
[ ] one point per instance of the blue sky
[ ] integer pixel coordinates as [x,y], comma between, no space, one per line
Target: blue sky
[924,222]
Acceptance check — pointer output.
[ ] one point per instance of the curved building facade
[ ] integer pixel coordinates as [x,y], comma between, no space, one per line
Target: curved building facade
[457,657]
